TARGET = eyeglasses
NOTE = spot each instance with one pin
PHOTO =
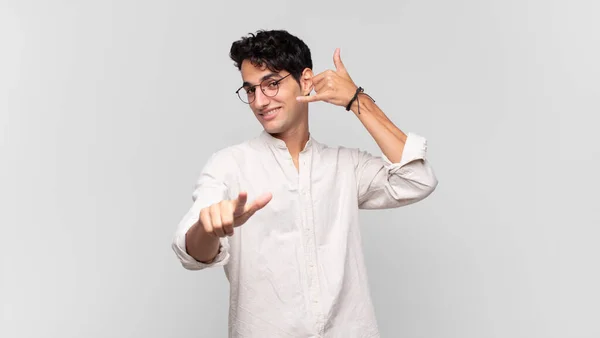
(269, 87)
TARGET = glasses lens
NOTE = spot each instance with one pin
(270, 87)
(244, 96)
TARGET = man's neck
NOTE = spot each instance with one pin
(295, 139)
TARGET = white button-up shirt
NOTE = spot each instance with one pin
(296, 267)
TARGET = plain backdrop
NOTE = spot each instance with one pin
(109, 110)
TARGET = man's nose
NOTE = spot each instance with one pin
(260, 98)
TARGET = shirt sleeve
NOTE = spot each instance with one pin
(210, 188)
(382, 184)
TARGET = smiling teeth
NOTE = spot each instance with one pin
(271, 112)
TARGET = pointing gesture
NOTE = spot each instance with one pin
(220, 218)
(333, 86)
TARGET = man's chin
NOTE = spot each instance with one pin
(272, 128)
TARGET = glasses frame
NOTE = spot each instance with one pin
(277, 82)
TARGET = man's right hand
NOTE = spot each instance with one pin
(220, 218)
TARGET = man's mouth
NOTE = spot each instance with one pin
(270, 112)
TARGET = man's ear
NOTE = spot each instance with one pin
(306, 83)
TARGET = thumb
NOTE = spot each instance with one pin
(337, 61)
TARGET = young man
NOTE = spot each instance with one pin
(280, 212)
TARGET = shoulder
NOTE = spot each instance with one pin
(340, 151)
(340, 154)
(222, 168)
(229, 158)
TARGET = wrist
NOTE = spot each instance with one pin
(354, 98)
(363, 103)
(355, 101)
(201, 245)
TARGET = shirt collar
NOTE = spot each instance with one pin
(273, 141)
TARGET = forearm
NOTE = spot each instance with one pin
(388, 137)
(201, 245)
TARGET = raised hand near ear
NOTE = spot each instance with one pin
(333, 86)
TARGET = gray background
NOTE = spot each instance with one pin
(109, 109)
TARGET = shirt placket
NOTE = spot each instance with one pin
(309, 237)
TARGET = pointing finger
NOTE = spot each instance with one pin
(262, 200)
(253, 207)
(259, 203)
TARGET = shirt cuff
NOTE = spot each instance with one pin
(415, 148)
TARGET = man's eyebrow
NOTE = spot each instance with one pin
(270, 75)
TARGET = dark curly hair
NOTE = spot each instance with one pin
(277, 49)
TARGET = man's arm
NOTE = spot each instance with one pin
(196, 250)
(404, 176)
(201, 239)
(389, 138)
(338, 88)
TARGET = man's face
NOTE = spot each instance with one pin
(277, 110)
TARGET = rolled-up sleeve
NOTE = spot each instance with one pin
(210, 188)
(382, 184)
